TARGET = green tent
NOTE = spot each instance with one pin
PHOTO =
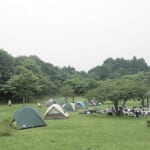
(69, 106)
(28, 117)
(61, 101)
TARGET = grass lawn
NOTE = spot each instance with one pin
(79, 132)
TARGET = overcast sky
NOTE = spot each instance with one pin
(79, 33)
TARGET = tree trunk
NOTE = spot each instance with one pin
(142, 102)
(148, 102)
(116, 108)
(124, 102)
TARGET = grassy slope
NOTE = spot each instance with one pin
(79, 132)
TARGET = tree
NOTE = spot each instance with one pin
(7, 66)
(141, 90)
(98, 94)
(148, 98)
(118, 91)
(23, 86)
(67, 91)
(116, 68)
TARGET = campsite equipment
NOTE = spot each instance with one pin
(55, 111)
(91, 103)
(50, 102)
(79, 105)
(69, 106)
(27, 117)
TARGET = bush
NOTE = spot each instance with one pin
(6, 128)
(148, 123)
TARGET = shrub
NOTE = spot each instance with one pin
(148, 123)
(6, 128)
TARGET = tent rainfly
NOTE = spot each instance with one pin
(69, 106)
(79, 105)
(28, 117)
(91, 103)
(55, 111)
(50, 102)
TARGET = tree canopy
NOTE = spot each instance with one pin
(116, 79)
(114, 68)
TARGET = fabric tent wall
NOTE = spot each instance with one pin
(79, 105)
(28, 117)
(91, 103)
(55, 111)
(69, 106)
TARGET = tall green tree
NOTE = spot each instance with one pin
(114, 68)
(7, 66)
(67, 91)
(23, 86)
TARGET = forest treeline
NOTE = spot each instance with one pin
(30, 77)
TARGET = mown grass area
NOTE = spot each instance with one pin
(78, 132)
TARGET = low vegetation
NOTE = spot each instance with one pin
(148, 123)
(6, 127)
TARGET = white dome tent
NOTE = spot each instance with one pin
(55, 111)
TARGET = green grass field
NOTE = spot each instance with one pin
(79, 132)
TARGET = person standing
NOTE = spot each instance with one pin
(9, 103)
